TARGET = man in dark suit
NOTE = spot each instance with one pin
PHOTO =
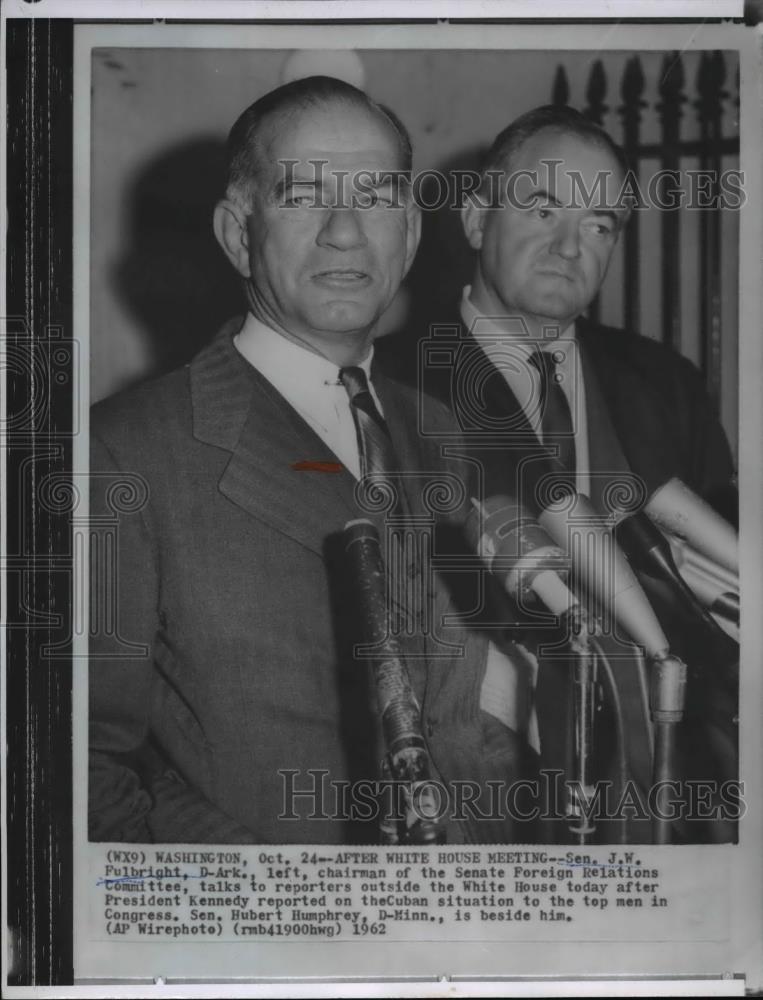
(227, 700)
(524, 371)
(543, 253)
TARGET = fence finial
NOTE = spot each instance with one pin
(711, 76)
(632, 87)
(595, 93)
(630, 111)
(671, 88)
(560, 91)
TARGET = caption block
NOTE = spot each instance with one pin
(289, 893)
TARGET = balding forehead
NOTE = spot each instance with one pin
(269, 130)
(570, 148)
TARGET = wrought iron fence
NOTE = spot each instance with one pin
(707, 100)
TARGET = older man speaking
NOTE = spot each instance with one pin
(227, 704)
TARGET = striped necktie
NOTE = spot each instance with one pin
(379, 462)
(405, 586)
(377, 454)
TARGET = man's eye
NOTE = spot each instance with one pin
(601, 228)
(543, 211)
(295, 200)
(381, 198)
(374, 199)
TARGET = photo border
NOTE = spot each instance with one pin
(38, 269)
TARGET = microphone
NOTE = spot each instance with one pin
(649, 551)
(603, 569)
(677, 509)
(407, 755)
(528, 563)
(726, 605)
(714, 588)
(605, 573)
(524, 558)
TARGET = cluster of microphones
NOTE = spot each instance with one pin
(531, 556)
(531, 553)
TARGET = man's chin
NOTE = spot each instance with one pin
(556, 311)
(344, 318)
(328, 331)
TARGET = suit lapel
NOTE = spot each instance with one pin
(481, 387)
(236, 408)
(607, 462)
(606, 459)
(401, 416)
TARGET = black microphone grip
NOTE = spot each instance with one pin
(399, 710)
(649, 550)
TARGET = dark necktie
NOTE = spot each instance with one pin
(555, 418)
(377, 455)
(378, 461)
(404, 585)
(553, 696)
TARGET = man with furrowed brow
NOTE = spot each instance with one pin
(230, 577)
(532, 373)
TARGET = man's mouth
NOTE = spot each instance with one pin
(554, 273)
(341, 277)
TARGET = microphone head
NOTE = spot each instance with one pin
(512, 544)
(645, 545)
(601, 573)
(360, 529)
(677, 509)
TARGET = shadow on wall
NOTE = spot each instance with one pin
(443, 265)
(177, 285)
(173, 277)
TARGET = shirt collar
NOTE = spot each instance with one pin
(484, 329)
(286, 364)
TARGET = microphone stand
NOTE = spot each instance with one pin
(583, 680)
(649, 551)
(529, 563)
(667, 697)
(407, 761)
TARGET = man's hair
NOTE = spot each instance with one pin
(559, 117)
(244, 146)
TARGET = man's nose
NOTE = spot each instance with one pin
(342, 229)
(566, 241)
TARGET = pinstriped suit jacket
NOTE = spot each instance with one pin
(228, 580)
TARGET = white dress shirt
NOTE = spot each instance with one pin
(510, 670)
(510, 352)
(310, 383)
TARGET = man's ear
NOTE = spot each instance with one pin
(413, 234)
(230, 226)
(473, 220)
